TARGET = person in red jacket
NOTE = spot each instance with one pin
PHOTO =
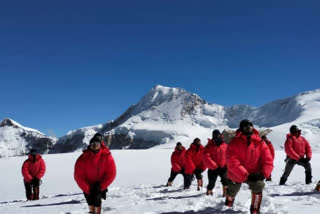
(249, 161)
(194, 164)
(94, 171)
(215, 160)
(33, 170)
(177, 163)
(299, 152)
(270, 146)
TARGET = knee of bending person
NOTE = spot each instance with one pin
(258, 187)
(233, 188)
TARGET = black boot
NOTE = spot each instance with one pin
(282, 181)
(308, 178)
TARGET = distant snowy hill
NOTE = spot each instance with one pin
(75, 140)
(167, 115)
(16, 139)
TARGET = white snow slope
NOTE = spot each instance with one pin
(139, 188)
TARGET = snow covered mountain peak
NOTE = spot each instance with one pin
(16, 139)
(160, 94)
(7, 122)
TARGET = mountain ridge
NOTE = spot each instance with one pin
(166, 115)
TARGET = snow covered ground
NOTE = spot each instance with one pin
(139, 188)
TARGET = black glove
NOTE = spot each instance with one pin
(304, 160)
(292, 161)
(35, 182)
(253, 177)
(104, 194)
(95, 189)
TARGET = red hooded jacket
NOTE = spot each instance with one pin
(91, 168)
(244, 159)
(270, 146)
(215, 156)
(178, 160)
(33, 168)
(193, 159)
(297, 147)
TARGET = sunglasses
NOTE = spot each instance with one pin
(95, 142)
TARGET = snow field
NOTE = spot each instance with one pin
(139, 188)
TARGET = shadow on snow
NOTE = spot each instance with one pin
(207, 210)
(316, 194)
(178, 197)
(55, 204)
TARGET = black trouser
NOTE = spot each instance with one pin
(173, 175)
(32, 190)
(188, 177)
(213, 175)
(94, 199)
(291, 163)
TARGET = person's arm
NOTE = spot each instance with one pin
(42, 169)
(174, 163)
(234, 165)
(25, 172)
(79, 175)
(110, 173)
(189, 165)
(266, 160)
(308, 149)
(208, 161)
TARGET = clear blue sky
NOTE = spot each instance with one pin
(70, 64)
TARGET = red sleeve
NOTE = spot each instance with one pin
(270, 146)
(234, 165)
(79, 176)
(190, 167)
(266, 160)
(289, 150)
(174, 163)
(110, 172)
(42, 169)
(25, 171)
(208, 162)
(308, 149)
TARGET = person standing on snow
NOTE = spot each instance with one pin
(194, 164)
(94, 171)
(249, 161)
(270, 146)
(177, 163)
(299, 152)
(215, 160)
(33, 170)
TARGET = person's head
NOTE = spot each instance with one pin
(216, 134)
(95, 144)
(246, 127)
(99, 136)
(294, 130)
(33, 152)
(179, 146)
(197, 141)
